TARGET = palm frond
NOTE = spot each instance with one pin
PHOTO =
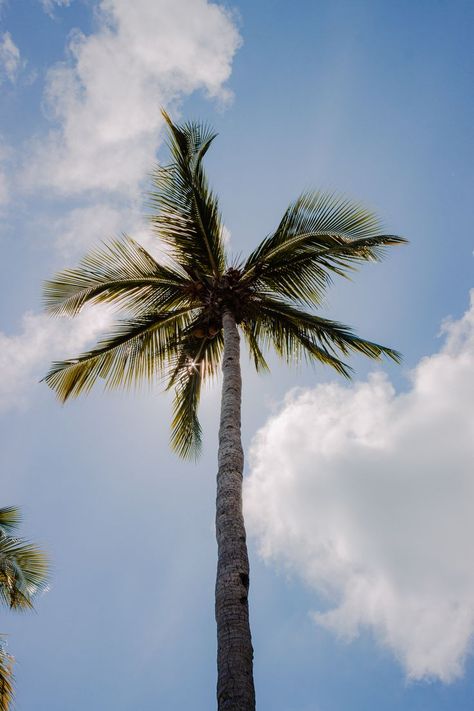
(6, 678)
(10, 518)
(198, 361)
(319, 235)
(249, 331)
(331, 334)
(23, 572)
(120, 272)
(185, 426)
(295, 334)
(186, 213)
(294, 344)
(138, 349)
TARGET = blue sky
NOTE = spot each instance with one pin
(358, 497)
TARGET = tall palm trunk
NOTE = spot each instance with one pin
(235, 688)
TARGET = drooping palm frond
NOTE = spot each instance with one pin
(319, 235)
(185, 426)
(330, 333)
(23, 572)
(294, 344)
(6, 678)
(198, 362)
(121, 272)
(187, 215)
(138, 349)
(295, 334)
(249, 329)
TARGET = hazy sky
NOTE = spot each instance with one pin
(359, 496)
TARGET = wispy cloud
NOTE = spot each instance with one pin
(367, 494)
(25, 356)
(10, 59)
(85, 226)
(50, 5)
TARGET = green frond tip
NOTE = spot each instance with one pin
(190, 140)
(185, 211)
(10, 518)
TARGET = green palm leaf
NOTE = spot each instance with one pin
(198, 361)
(185, 427)
(137, 350)
(23, 572)
(319, 235)
(10, 519)
(294, 344)
(295, 334)
(121, 272)
(187, 215)
(249, 329)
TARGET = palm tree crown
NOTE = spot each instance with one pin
(23, 574)
(174, 309)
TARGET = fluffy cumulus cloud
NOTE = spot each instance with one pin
(26, 356)
(10, 59)
(368, 494)
(105, 99)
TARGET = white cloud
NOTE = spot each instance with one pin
(106, 98)
(10, 60)
(25, 357)
(86, 226)
(368, 495)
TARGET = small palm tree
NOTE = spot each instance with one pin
(23, 574)
(182, 322)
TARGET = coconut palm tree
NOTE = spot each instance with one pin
(182, 319)
(23, 574)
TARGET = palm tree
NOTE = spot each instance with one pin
(181, 322)
(23, 574)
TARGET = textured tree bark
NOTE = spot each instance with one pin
(235, 688)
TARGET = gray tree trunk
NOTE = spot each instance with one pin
(235, 688)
